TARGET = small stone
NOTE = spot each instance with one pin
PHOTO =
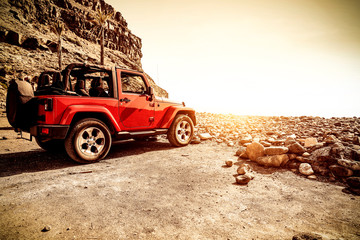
(196, 140)
(340, 171)
(289, 141)
(230, 144)
(296, 148)
(241, 152)
(265, 144)
(355, 153)
(46, 228)
(273, 161)
(353, 182)
(312, 177)
(244, 168)
(306, 169)
(332, 179)
(307, 236)
(322, 154)
(292, 156)
(228, 163)
(246, 139)
(242, 179)
(330, 139)
(353, 165)
(275, 150)
(310, 142)
(306, 154)
(301, 159)
(205, 136)
(255, 150)
(278, 142)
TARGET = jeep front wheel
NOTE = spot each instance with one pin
(88, 141)
(181, 131)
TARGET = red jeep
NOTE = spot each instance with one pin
(86, 107)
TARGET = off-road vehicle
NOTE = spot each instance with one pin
(85, 107)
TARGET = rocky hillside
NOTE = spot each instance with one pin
(28, 46)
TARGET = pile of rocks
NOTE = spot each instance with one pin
(312, 146)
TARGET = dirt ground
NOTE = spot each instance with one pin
(150, 190)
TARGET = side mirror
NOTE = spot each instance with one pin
(151, 93)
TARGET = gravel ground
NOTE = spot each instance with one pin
(150, 190)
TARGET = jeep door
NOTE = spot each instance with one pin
(136, 108)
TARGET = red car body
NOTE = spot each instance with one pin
(126, 114)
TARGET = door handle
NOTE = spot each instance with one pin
(125, 100)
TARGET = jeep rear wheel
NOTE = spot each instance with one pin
(181, 131)
(89, 141)
(54, 145)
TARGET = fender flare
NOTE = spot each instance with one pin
(172, 112)
(70, 112)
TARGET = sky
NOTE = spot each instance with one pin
(252, 57)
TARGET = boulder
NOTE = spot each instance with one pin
(273, 161)
(255, 150)
(275, 150)
(306, 169)
(351, 164)
(340, 171)
(296, 148)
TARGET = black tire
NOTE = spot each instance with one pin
(181, 131)
(55, 145)
(89, 141)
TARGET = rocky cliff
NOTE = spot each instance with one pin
(28, 46)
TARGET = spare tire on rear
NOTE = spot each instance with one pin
(20, 104)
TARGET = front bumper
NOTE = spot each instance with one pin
(50, 131)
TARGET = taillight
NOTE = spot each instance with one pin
(48, 103)
(44, 131)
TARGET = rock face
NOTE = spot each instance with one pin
(28, 46)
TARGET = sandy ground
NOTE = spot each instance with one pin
(150, 190)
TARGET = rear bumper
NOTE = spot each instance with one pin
(50, 131)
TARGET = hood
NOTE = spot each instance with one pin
(167, 100)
